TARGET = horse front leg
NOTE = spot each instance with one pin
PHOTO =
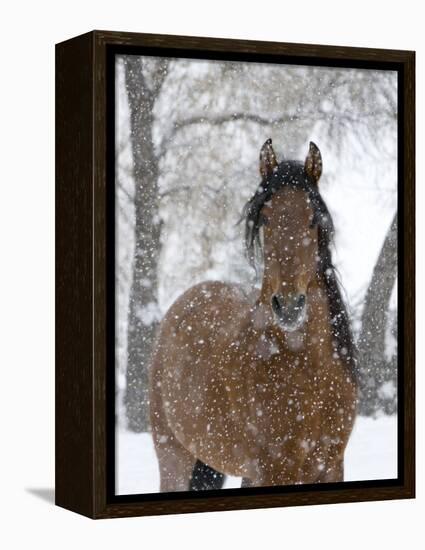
(175, 464)
(332, 472)
(272, 472)
(246, 482)
(330, 465)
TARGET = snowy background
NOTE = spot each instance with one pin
(199, 126)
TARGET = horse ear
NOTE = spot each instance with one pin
(268, 160)
(313, 163)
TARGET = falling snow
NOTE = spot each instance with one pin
(208, 122)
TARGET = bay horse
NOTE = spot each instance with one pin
(260, 387)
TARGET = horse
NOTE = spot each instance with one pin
(260, 385)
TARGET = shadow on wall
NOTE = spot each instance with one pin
(46, 494)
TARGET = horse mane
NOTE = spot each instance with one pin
(292, 174)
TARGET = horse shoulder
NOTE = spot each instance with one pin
(208, 308)
(196, 331)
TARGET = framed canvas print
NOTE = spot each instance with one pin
(235, 274)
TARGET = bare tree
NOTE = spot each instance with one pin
(375, 369)
(143, 83)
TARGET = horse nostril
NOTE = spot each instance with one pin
(301, 300)
(276, 303)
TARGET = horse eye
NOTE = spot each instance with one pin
(263, 220)
(314, 221)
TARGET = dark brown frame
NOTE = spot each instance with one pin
(83, 257)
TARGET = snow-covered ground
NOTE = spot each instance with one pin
(371, 454)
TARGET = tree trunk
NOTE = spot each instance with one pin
(143, 304)
(374, 367)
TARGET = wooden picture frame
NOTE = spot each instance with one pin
(85, 389)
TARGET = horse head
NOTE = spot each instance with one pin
(292, 215)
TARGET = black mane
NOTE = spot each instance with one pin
(292, 174)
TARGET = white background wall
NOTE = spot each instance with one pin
(28, 33)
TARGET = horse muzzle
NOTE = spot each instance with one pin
(290, 311)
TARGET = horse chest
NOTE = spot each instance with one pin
(292, 394)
